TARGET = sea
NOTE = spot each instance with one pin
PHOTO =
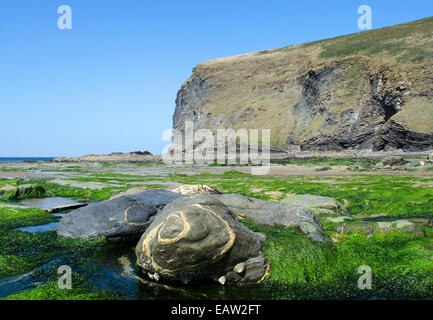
(21, 159)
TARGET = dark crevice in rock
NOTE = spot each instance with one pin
(389, 111)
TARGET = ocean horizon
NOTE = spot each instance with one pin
(22, 159)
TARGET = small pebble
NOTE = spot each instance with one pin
(222, 280)
(239, 268)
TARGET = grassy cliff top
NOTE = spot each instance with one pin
(407, 42)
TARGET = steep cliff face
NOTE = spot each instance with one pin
(371, 90)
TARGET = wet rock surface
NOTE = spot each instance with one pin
(200, 238)
(52, 204)
(121, 219)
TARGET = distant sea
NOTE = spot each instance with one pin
(21, 159)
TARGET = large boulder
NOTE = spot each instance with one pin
(199, 238)
(275, 214)
(318, 204)
(195, 189)
(121, 219)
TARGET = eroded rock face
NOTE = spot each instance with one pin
(199, 238)
(318, 204)
(120, 219)
(275, 214)
(195, 189)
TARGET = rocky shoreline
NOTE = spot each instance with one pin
(136, 156)
(320, 216)
(277, 153)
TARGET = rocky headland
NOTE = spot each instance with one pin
(135, 156)
(367, 91)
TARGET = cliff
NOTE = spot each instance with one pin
(370, 90)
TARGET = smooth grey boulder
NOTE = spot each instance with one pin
(275, 214)
(200, 238)
(318, 204)
(121, 219)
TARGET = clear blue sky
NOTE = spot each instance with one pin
(110, 83)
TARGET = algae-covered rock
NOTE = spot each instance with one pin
(318, 204)
(200, 238)
(370, 227)
(24, 191)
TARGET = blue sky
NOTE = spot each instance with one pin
(110, 83)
